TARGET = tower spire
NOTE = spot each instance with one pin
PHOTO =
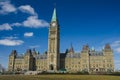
(71, 49)
(54, 17)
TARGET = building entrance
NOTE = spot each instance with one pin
(51, 67)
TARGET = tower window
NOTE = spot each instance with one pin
(52, 32)
(52, 58)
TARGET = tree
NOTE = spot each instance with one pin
(0, 68)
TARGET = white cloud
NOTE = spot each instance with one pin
(115, 44)
(34, 46)
(6, 7)
(10, 37)
(34, 22)
(31, 21)
(28, 34)
(10, 42)
(27, 9)
(16, 24)
(117, 50)
(5, 26)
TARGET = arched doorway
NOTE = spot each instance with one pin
(96, 70)
(51, 67)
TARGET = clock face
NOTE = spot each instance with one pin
(54, 24)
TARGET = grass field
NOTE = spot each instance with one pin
(59, 77)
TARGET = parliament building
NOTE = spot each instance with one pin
(87, 59)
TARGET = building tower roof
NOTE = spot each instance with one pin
(71, 49)
(54, 17)
(107, 46)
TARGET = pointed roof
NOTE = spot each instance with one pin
(71, 49)
(34, 51)
(107, 46)
(85, 47)
(14, 52)
(28, 52)
(54, 17)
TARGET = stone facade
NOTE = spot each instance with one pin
(21, 62)
(52, 60)
(90, 60)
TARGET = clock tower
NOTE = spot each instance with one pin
(54, 44)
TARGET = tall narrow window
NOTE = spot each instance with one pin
(52, 58)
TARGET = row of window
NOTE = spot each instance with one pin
(41, 63)
(41, 67)
(93, 60)
(71, 69)
(97, 65)
(75, 66)
(94, 65)
(18, 67)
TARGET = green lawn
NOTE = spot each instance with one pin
(59, 77)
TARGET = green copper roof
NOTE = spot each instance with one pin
(54, 17)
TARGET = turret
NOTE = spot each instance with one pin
(108, 53)
(34, 53)
(12, 57)
(28, 52)
(85, 57)
(85, 49)
(107, 50)
(28, 59)
(71, 50)
(13, 53)
(107, 47)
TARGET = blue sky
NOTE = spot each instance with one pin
(24, 24)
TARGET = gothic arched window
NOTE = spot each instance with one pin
(52, 58)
